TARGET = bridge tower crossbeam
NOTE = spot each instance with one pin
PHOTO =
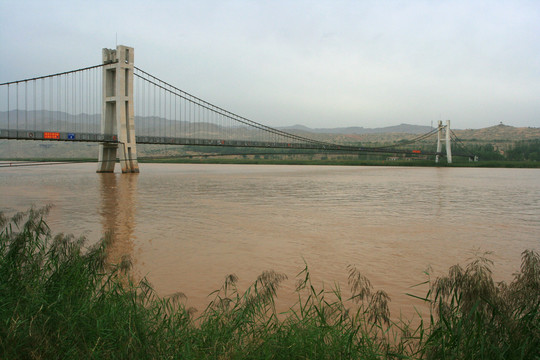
(117, 118)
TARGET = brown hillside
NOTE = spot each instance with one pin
(494, 133)
(500, 132)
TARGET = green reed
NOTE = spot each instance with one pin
(479, 319)
(60, 299)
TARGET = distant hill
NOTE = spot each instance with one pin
(403, 131)
(359, 130)
(500, 132)
(145, 125)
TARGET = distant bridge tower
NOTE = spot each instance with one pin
(446, 130)
(117, 116)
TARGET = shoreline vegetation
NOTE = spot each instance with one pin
(344, 162)
(61, 299)
(255, 160)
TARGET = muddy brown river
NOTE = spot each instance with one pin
(187, 226)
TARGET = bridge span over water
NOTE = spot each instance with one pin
(118, 105)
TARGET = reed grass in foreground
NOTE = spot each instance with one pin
(59, 299)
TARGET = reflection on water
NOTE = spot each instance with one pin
(118, 207)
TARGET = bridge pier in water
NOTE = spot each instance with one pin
(117, 117)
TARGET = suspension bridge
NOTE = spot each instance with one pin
(118, 105)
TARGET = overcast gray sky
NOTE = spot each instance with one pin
(316, 63)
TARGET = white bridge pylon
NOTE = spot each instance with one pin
(446, 138)
(118, 111)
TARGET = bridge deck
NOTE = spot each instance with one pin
(161, 140)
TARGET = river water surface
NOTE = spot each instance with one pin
(187, 226)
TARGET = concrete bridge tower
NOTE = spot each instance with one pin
(117, 118)
(446, 130)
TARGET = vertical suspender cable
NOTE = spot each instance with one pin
(142, 92)
(170, 117)
(147, 98)
(203, 122)
(159, 112)
(26, 105)
(91, 96)
(76, 94)
(154, 111)
(164, 112)
(73, 99)
(42, 110)
(84, 87)
(86, 102)
(175, 116)
(143, 99)
(58, 102)
(34, 107)
(161, 116)
(77, 102)
(136, 105)
(17, 108)
(8, 124)
(169, 113)
(51, 92)
(97, 99)
(182, 118)
(79, 117)
(66, 102)
(93, 93)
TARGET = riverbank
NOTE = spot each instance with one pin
(60, 299)
(412, 163)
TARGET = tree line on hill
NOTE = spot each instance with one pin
(524, 150)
